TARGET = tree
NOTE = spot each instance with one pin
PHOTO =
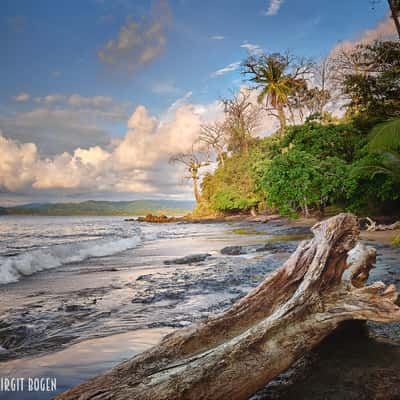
(214, 136)
(242, 117)
(193, 161)
(370, 79)
(289, 181)
(297, 180)
(385, 141)
(394, 6)
(277, 76)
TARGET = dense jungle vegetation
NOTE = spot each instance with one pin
(336, 144)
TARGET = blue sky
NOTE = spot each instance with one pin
(115, 55)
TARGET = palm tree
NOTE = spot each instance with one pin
(385, 140)
(270, 74)
(385, 136)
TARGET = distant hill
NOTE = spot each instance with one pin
(92, 207)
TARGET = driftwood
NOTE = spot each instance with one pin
(372, 226)
(232, 355)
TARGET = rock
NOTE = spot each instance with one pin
(158, 219)
(271, 247)
(193, 258)
(233, 250)
(72, 307)
(264, 218)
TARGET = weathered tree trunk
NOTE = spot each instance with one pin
(232, 355)
(196, 191)
(282, 119)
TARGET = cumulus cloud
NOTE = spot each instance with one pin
(274, 6)
(63, 122)
(136, 163)
(138, 42)
(22, 97)
(17, 163)
(385, 30)
(229, 68)
(55, 130)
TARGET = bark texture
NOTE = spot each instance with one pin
(232, 355)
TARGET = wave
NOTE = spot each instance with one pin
(14, 267)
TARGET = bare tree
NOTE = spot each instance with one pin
(323, 79)
(214, 137)
(193, 161)
(242, 116)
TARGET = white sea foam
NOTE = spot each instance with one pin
(13, 268)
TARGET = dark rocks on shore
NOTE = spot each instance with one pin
(273, 247)
(193, 258)
(159, 219)
(233, 250)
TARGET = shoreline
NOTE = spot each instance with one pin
(384, 237)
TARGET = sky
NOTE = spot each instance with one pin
(97, 95)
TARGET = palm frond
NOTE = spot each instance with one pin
(385, 136)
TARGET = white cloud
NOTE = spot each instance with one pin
(62, 122)
(217, 37)
(22, 97)
(138, 162)
(251, 48)
(56, 130)
(229, 68)
(274, 6)
(138, 42)
(16, 163)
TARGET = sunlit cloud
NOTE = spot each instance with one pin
(138, 162)
(22, 97)
(385, 30)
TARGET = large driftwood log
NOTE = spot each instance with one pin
(232, 355)
(372, 226)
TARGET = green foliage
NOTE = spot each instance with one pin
(396, 241)
(333, 140)
(385, 136)
(297, 179)
(231, 187)
(348, 164)
(373, 85)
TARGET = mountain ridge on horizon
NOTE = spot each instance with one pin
(102, 207)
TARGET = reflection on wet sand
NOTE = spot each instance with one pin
(81, 361)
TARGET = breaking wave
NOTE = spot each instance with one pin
(14, 267)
